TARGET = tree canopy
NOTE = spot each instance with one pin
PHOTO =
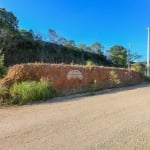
(21, 46)
(7, 19)
(119, 56)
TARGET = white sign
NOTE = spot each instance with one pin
(74, 74)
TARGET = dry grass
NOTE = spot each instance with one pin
(57, 74)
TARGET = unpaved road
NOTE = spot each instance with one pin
(119, 120)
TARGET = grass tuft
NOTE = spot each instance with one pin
(29, 91)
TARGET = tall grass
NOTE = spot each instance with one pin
(29, 91)
(146, 78)
(4, 94)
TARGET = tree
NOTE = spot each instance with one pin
(134, 56)
(57, 39)
(70, 43)
(85, 48)
(94, 48)
(22, 46)
(27, 34)
(139, 67)
(8, 20)
(88, 49)
(54, 38)
(119, 56)
(8, 28)
(97, 48)
(82, 47)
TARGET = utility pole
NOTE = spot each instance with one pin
(128, 56)
(148, 52)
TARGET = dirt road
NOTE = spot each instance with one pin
(119, 120)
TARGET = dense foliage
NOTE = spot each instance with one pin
(21, 46)
(139, 67)
(26, 92)
(119, 56)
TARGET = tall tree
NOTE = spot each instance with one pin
(119, 56)
(7, 19)
(139, 67)
(8, 27)
(54, 38)
(97, 48)
(57, 39)
(71, 43)
(134, 57)
(82, 47)
(85, 48)
(27, 34)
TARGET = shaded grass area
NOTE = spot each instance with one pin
(26, 92)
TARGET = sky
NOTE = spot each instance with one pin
(110, 22)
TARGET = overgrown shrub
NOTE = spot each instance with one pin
(146, 78)
(139, 67)
(4, 94)
(94, 86)
(113, 78)
(3, 69)
(89, 63)
(29, 91)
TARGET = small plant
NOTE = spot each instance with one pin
(129, 78)
(3, 69)
(29, 91)
(146, 78)
(4, 94)
(89, 63)
(94, 87)
(113, 78)
(139, 67)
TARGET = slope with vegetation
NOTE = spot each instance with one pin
(24, 83)
(21, 46)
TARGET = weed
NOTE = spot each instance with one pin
(113, 78)
(89, 63)
(29, 91)
(4, 94)
(146, 78)
(94, 87)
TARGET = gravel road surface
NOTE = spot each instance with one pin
(117, 120)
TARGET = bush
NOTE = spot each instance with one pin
(89, 63)
(114, 80)
(139, 67)
(4, 94)
(146, 78)
(29, 91)
(3, 69)
(94, 86)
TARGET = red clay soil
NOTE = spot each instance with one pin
(58, 74)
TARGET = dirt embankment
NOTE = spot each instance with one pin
(66, 77)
